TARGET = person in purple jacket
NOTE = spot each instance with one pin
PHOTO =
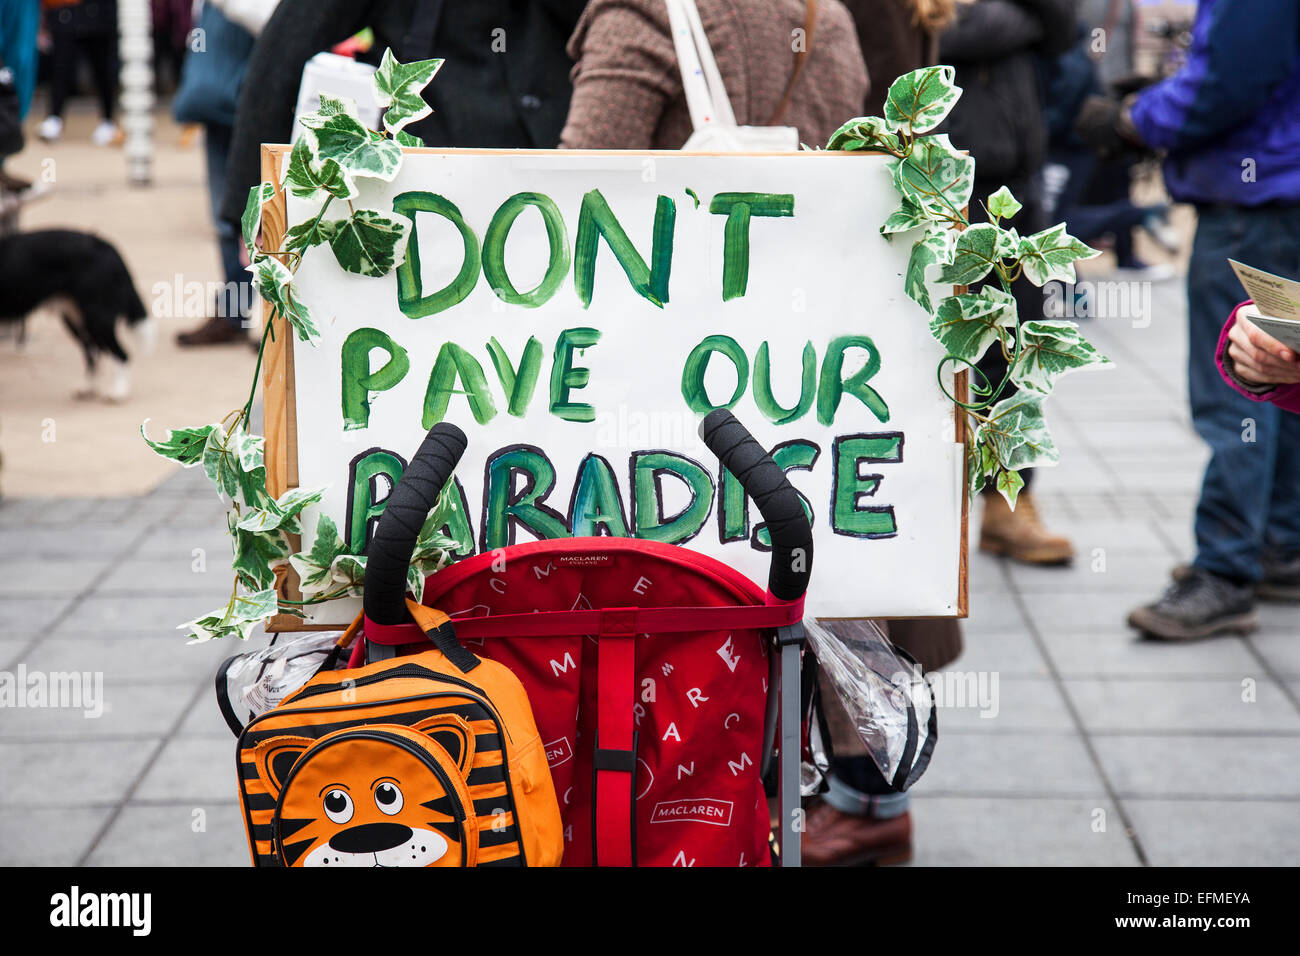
(1258, 365)
(1229, 122)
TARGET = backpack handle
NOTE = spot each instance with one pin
(389, 553)
(437, 625)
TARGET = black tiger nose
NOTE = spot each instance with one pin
(370, 838)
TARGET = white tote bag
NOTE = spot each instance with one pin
(706, 97)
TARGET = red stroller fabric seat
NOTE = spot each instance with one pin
(694, 700)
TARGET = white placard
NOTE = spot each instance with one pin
(614, 388)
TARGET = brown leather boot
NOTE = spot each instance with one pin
(833, 838)
(1020, 534)
(215, 331)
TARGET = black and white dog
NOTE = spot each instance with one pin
(84, 280)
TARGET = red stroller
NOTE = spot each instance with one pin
(658, 676)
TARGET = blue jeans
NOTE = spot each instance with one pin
(1250, 496)
(216, 139)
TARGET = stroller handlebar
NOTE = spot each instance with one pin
(389, 551)
(780, 505)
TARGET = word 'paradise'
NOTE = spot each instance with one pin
(518, 481)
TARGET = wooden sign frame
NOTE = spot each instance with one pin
(279, 405)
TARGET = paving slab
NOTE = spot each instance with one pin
(165, 659)
(1217, 832)
(128, 711)
(958, 831)
(179, 834)
(1201, 766)
(1041, 765)
(66, 773)
(1206, 705)
(197, 770)
(1124, 653)
(48, 836)
(1014, 704)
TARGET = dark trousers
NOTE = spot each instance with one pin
(100, 50)
(1250, 496)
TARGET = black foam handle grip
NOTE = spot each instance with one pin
(389, 553)
(780, 505)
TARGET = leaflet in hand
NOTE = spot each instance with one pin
(1277, 303)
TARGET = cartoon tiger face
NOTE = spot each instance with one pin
(376, 795)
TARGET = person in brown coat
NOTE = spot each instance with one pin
(627, 87)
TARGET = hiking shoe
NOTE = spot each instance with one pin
(215, 331)
(1281, 580)
(1199, 604)
(1020, 534)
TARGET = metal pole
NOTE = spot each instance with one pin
(135, 25)
(791, 754)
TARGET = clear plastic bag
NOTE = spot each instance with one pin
(257, 681)
(884, 693)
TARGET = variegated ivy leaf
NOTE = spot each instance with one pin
(348, 571)
(313, 232)
(1008, 485)
(935, 177)
(1051, 254)
(398, 86)
(182, 445)
(251, 221)
(981, 462)
(1018, 433)
(1003, 205)
(272, 279)
(314, 567)
(865, 132)
(919, 101)
(975, 256)
(433, 549)
(257, 554)
(232, 460)
(966, 325)
(936, 247)
(408, 139)
(282, 513)
(237, 619)
(309, 177)
(370, 244)
(1049, 350)
(358, 151)
(907, 216)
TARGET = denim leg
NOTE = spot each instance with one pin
(1282, 531)
(231, 307)
(1244, 436)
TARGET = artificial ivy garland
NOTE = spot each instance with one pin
(934, 182)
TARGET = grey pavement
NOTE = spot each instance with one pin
(1104, 750)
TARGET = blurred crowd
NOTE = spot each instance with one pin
(1056, 106)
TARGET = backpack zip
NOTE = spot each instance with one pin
(405, 670)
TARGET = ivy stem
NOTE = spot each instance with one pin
(247, 412)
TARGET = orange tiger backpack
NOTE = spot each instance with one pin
(430, 759)
(424, 759)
